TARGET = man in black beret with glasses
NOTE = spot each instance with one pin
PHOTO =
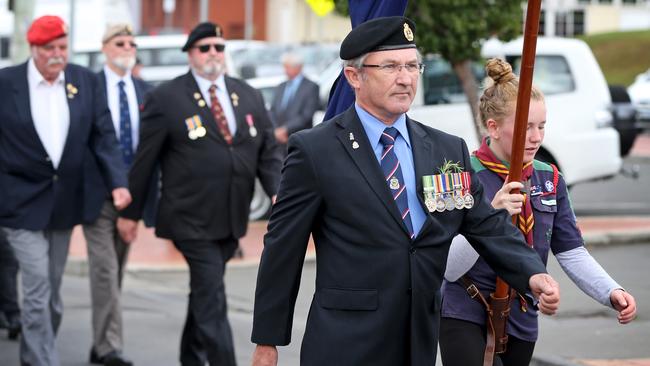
(213, 137)
(358, 185)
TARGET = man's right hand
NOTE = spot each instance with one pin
(265, 356)
(128, 229)
(547, 291)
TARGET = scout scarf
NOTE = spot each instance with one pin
(525, 219)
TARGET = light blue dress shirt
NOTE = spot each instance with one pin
(374, 128)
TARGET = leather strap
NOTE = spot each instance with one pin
(490, 338)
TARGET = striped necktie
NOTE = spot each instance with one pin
(126, 140)
(393, 175)
(219, 115)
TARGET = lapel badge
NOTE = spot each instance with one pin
(71, 90)
(235, 99)
(355, 145)
(201, 103)
(197, 95)
(351, 137)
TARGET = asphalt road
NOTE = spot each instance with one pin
(620, 195)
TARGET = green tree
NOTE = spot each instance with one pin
(455, 29)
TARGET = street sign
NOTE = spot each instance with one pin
(321, 7)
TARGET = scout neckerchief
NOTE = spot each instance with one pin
(525, 219)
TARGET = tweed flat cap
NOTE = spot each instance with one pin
(379, 34)
(203, 30)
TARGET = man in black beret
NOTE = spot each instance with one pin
(212, 137)
(356, 183)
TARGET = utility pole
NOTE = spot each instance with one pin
(23, 14)
(248, 19)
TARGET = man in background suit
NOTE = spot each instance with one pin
(294, 102)
(212, 136)
(53, 118)
(107, 252)
(355, 183)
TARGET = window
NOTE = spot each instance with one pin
(542, 23)
(4, 47)
(578, 22)
(440, 83)
(604, 1)
(552, 74)
(629, 2)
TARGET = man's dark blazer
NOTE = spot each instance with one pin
(207, 185)
(299, 111)
(33, 194)
(377, 297)
(96, 192)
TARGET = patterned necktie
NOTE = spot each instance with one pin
(126, 141)
(219, 116)
(393, 175)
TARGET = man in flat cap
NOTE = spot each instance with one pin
(355, 183)
(213, 137)
(107, 252)
(53, 120)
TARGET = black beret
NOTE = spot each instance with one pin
(379, 34)
(203, 30)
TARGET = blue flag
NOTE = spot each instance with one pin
(341, 95)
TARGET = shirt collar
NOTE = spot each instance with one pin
(296, 80)
(113, 78)
(205, 84)
(35, 76)
(374, 127)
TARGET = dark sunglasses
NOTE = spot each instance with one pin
(204, 48)
(121, 44)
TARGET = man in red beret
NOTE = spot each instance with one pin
(55, 127)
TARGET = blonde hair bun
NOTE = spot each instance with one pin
(499, 70)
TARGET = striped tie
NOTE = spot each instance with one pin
(393, 175)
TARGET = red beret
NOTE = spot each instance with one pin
(46, 29)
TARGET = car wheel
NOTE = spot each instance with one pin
(260, 208)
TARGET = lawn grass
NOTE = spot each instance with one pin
(621, 55)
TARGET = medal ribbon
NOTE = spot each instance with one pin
(525, 219)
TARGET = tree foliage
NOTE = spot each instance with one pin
(455, 28)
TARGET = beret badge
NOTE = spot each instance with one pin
(408, 33)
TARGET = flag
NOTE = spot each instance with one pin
(341, 95)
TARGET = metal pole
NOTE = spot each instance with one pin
(71, 27)
(248, 19)
(203, 11)
(23, 14)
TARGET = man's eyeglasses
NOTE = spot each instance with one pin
(205, 48)
(411, 68)
(122, 44)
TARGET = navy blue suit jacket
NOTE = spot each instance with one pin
(95, 189)
(33, 194)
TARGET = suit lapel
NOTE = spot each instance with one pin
(73, 106)
(239, 112)
(21, 97)
(423, 157)
(365, 160)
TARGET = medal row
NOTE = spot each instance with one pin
(448, 191)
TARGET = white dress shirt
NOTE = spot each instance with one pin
(113, 94)
(49, 107)
(222, 96)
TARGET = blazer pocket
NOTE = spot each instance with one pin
(347, 299)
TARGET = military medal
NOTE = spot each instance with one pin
(251, 127)
(467, 184)
(394, 183)
(438, 189)
(429, 202)
(195, 127)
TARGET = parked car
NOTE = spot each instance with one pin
(640, 94)
(625, 118)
